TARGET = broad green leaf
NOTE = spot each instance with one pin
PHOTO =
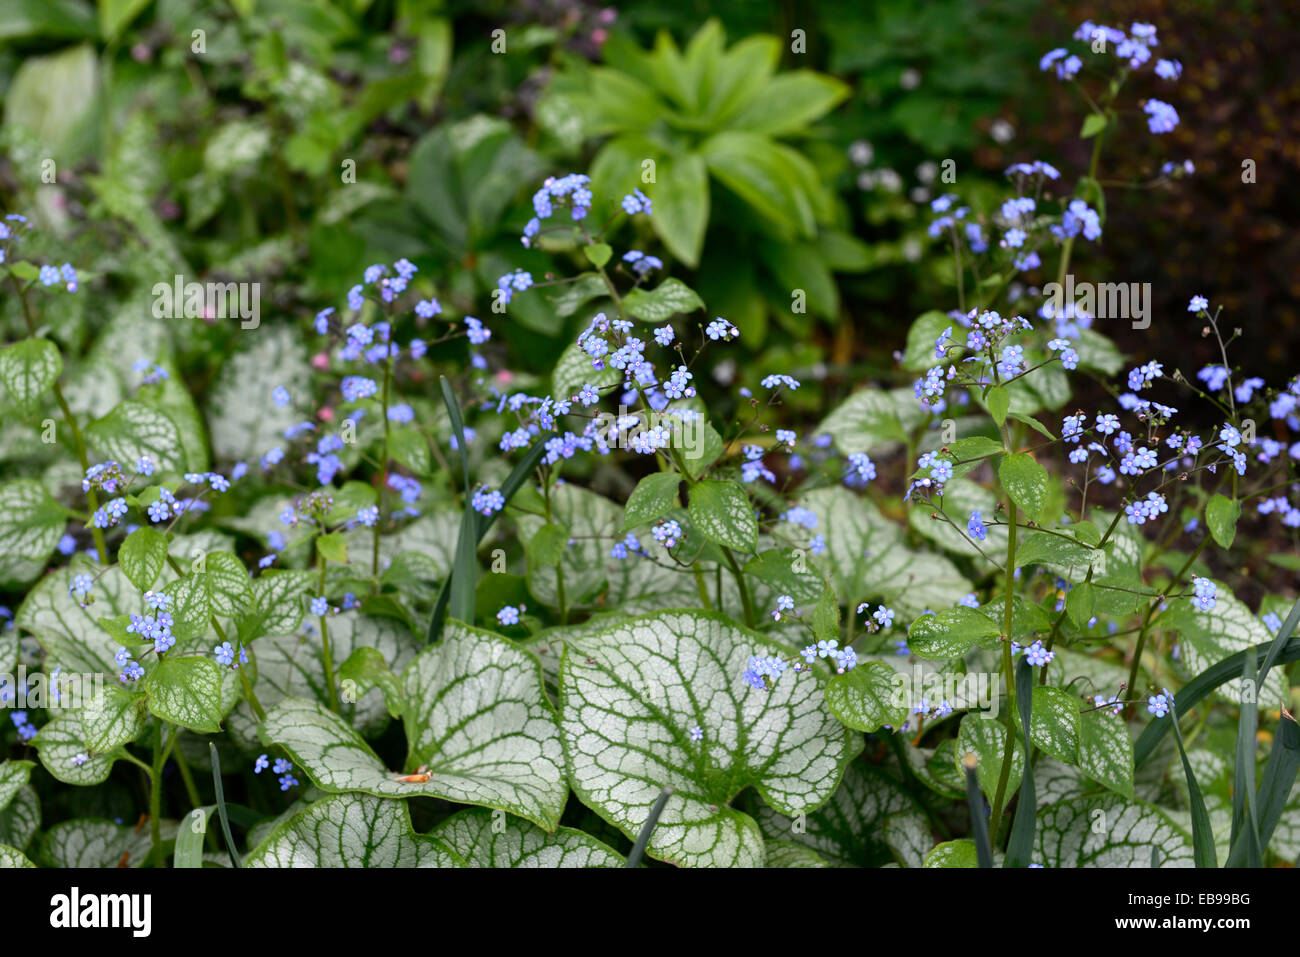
(187, 691)
(1054, 723)
(351, 830)
(1221, 517)
(1093, 124)
(243, 420)
(1026, 482)
(133, 429)
(1208, 636)
(218, 584)
(547, 545)
(70, 635)
(959, 853)
(864, 699)
(921, 336)
(1108, 831)
(873, 421)
(671, 297)
(476, 836)
(630, 694)
(13, 778)
(573, 371)
(11, 857)
(1079, 603)
(28, 368)
(31, 524)
(92, 843)
(867, 555)
(333, 548)
(477, 716)
(277, 606)
(681, 204)
(1106, 751)
(51, 98)
(788, 571)
(986, 739)
(598, 253)
(366, 669)
(852, 828)
(950, 633)
(788, 854)
(142, 556)
(722, 512)
(703, 447)
(112, 717)
(59, 741)
(791, 101)
(653, 496)
(20, 821)
(998, 401)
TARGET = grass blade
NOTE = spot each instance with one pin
(189, 838)
(1275, 786)
(1245, 826)
(1020, 845)
(220, 792)
(979, 822)
(648, 828)
(512, 484)
(1203, 854)
(464, 575)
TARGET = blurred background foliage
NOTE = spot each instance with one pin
(794, 146)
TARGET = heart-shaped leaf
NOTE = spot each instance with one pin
(632, 694)
(1108, 832)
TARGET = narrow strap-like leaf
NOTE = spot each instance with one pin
(1283, 634)
(221, 804)
(648, 828)
(1245, 826)
(1020, 846)
(1203, 853)
(979, 822)
(1275, 786)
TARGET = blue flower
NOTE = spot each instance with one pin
(1161, 117)
(320, 606)
(975, 525)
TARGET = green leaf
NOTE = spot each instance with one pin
(476, 836)
(1055, 722)
(277, 606)
(11, 857)
(89, 843)
(1021, 841)
(217, 584)
(998, 401)
(14, 776)
(1106, 751)
(1079, 603)
(979, 734)
(627, 737)
(864, 699)
(133, 429)
(721, 511)
(573, 371)
(959, 853)
(59, 741)
(186, 691)
(856, 827)
(333, 548)
(21, 820)
(868, 555)
(113, 717)
(653, 496)
(1093, 124)
(1027, 483)
(681, 204)
(52, 100)
(921, 337)
(1108, 831)
(142, 556)
(873, 421)
(351, 830)
(789, 102)
(762, 176)
(1221, 516)
(973, 448)
(241, 417)
(788, 571)
(31, 524)
(475, 715)
(950, 633)
(671, 297)
(703, 448)
(28, 368)
(598, 253)
(367, 668)
(826, 617)
(116, 15)
(547, 545)
(1034, 424)
(189, 838)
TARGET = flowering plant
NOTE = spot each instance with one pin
(732, 642)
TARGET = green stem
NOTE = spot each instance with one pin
(383, 477)
(327, 657)
(1007, 668)
(155, 791)
(737, 574)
